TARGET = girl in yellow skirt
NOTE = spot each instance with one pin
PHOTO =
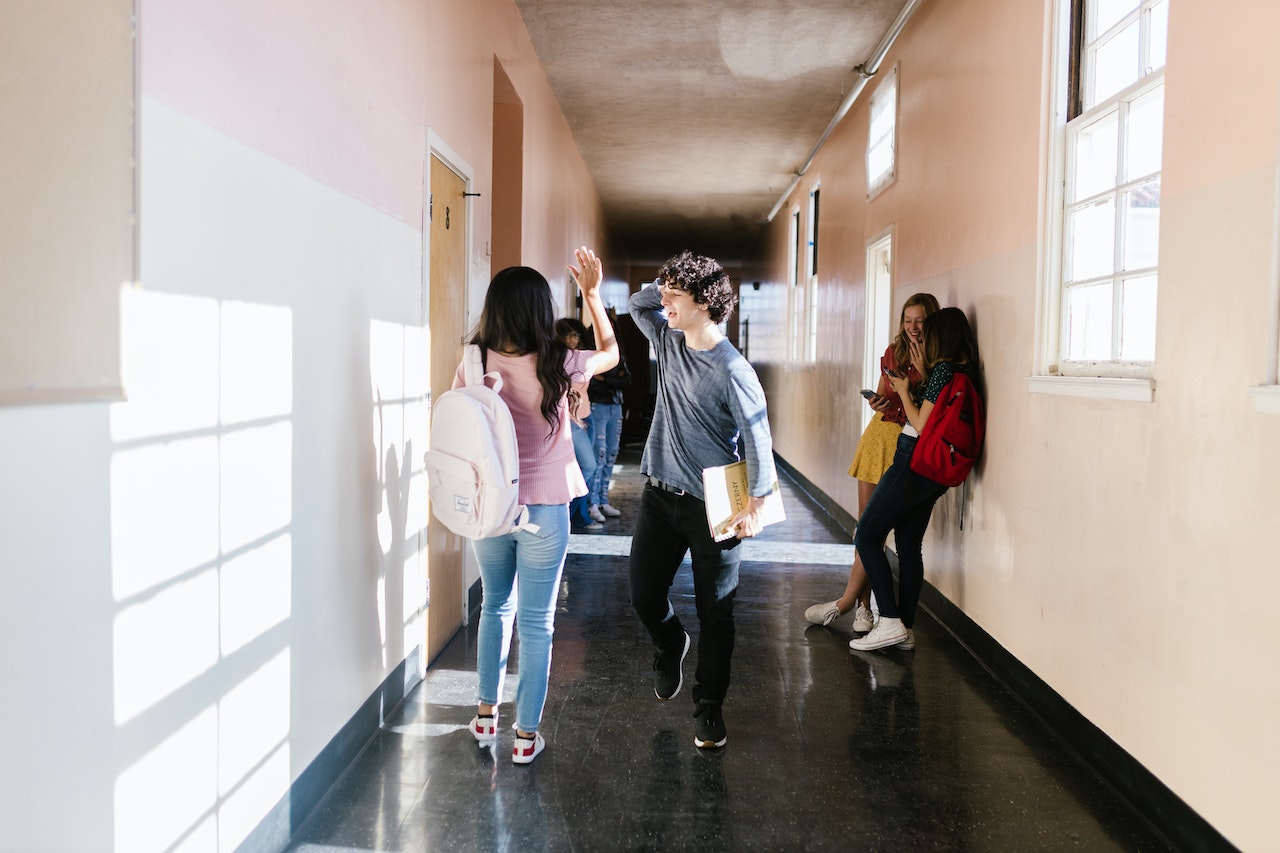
(875, 450)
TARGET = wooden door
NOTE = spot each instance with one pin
(447, 302)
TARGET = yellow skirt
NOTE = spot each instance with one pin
(875, 450)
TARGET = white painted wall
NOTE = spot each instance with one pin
(201, 585)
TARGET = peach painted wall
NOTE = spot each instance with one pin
(1108, 545)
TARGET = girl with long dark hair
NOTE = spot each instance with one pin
(520, 572)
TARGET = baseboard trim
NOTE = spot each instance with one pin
(1167, 813)
(275, 831)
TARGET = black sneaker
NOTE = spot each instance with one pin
(668, 671)
(710, 733)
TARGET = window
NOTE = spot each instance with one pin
(795, 293)
(1106, 273)
(811, 280)
(882, 136)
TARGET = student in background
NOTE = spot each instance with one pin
(520, 572)
(576, 336)
(875, 450)
(903, 500)
(605, 391)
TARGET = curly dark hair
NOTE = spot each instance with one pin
(518, 316)
(704, 279)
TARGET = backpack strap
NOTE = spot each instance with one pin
(473, 368)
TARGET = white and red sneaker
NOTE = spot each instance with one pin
(484, 728)
(527, 748)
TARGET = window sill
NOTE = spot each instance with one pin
(1266, 398)
(1134, 390)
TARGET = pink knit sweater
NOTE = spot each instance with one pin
(549, 472)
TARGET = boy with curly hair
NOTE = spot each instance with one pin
(709, 400)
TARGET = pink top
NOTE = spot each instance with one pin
(549, 472)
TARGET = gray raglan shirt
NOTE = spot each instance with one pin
(706, 400)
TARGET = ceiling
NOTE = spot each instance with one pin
(694, 115)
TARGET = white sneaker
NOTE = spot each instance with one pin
(822, 614)
(910, 642)
(595, 514)
(862, 620)
(889, 631)
(485, 729)
(610, 512)
(527, 748)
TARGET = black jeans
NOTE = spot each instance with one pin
(902, 502)
(667, 527)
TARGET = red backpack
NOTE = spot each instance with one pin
(952, 438)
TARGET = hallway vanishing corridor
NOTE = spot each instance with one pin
(828, 749)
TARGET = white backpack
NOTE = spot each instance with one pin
(473, 466)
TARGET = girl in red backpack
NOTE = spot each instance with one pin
(520, 572)
(875, 450)
(903, 500)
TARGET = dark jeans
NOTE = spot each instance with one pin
(667, 527)
(902, 502)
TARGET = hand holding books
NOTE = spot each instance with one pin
(731, 509)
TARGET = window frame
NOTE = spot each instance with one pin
(810, 343)
(1072, 70)
(795, 305)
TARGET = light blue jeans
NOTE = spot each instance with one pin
(520, 575)
(607, 418)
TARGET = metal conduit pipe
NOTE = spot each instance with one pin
(866, 71)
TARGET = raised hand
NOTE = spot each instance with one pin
(589, 272)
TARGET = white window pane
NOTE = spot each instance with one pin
(1115, 64)
(1107, 13)
(1093, 236)
(1159, 34)
(1145, 128)
(882, 119)
(1089, 322)
(1095, 152)
(1138, 319)
(1142, 225)
(879, 161)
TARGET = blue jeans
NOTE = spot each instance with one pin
(902, 502)
(520, 575)
(584, 450)
(669, 525)
(607, 420)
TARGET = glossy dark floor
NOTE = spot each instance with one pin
(828, 749)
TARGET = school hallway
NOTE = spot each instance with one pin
(828, 749)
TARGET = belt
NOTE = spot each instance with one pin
(658, 484)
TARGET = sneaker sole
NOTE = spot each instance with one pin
(706, 744)
(687, 643)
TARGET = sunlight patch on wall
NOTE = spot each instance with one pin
(164, 642)
(166, 795)
(399, 375)
(202, 562)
